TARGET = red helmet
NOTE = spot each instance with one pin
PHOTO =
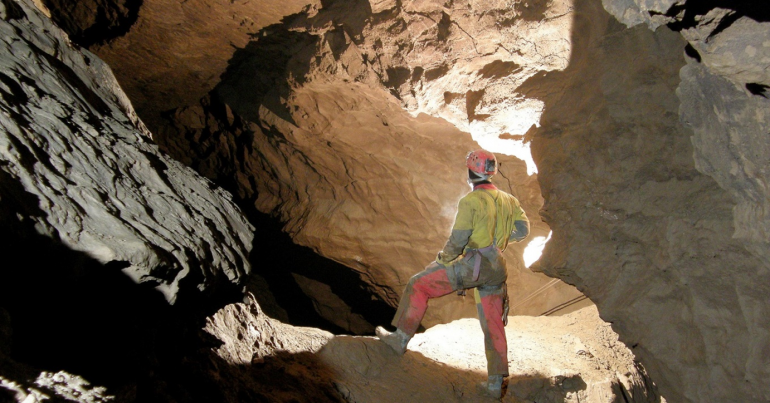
(481, 162)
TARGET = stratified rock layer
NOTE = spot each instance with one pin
(76, 163)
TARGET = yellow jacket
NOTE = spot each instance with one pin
(484, 215)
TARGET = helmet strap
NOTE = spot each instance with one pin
(475, 179)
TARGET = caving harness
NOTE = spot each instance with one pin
(477, 254)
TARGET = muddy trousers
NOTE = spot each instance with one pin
(433, 282)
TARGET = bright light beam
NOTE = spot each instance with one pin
(534, 249)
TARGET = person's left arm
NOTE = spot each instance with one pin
(461, 233)
(520, 225)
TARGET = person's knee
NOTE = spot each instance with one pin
(413, 280)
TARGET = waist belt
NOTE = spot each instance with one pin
(477, 254)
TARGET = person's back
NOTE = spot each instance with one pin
(496, 213)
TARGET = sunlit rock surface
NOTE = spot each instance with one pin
(326, 141)
(571, 358)
(78, 165)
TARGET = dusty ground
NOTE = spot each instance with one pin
(571, 358)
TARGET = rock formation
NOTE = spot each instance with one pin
(356, 50)
(326, 108)
(79, 167)
(662, 245)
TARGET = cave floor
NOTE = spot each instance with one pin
(570, 358)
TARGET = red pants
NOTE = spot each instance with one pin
(433, 282)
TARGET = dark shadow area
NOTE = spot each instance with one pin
(691, 52)
(757, 89)
(279, 56)
(63, 310)
(94, 22)
(275, 257)
(538, 388)
(692, 10)
(283, 377)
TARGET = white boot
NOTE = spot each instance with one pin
(493, 387)
(396, 340)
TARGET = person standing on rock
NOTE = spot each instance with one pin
(487, 220)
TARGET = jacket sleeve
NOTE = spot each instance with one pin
(520, 226)
(454, 246)
(461, 233)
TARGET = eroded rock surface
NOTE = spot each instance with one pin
(77, 164)
(326, 136)
(176, 51)
(658, 202)
(644, 221)
(248, 335)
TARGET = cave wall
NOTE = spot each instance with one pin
(327, 138)
(648, 180)
(79, 167)
(174, 51)
(100, 232)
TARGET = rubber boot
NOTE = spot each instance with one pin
(395, 340)
(493, 387)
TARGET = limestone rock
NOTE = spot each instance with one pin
(654, 13)
(261, 359)
(248, 335)
(739, 52)
(322, 139)
(639, 225)
(175, 51)
(673, 249)
(730, 140)
(70, 138)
